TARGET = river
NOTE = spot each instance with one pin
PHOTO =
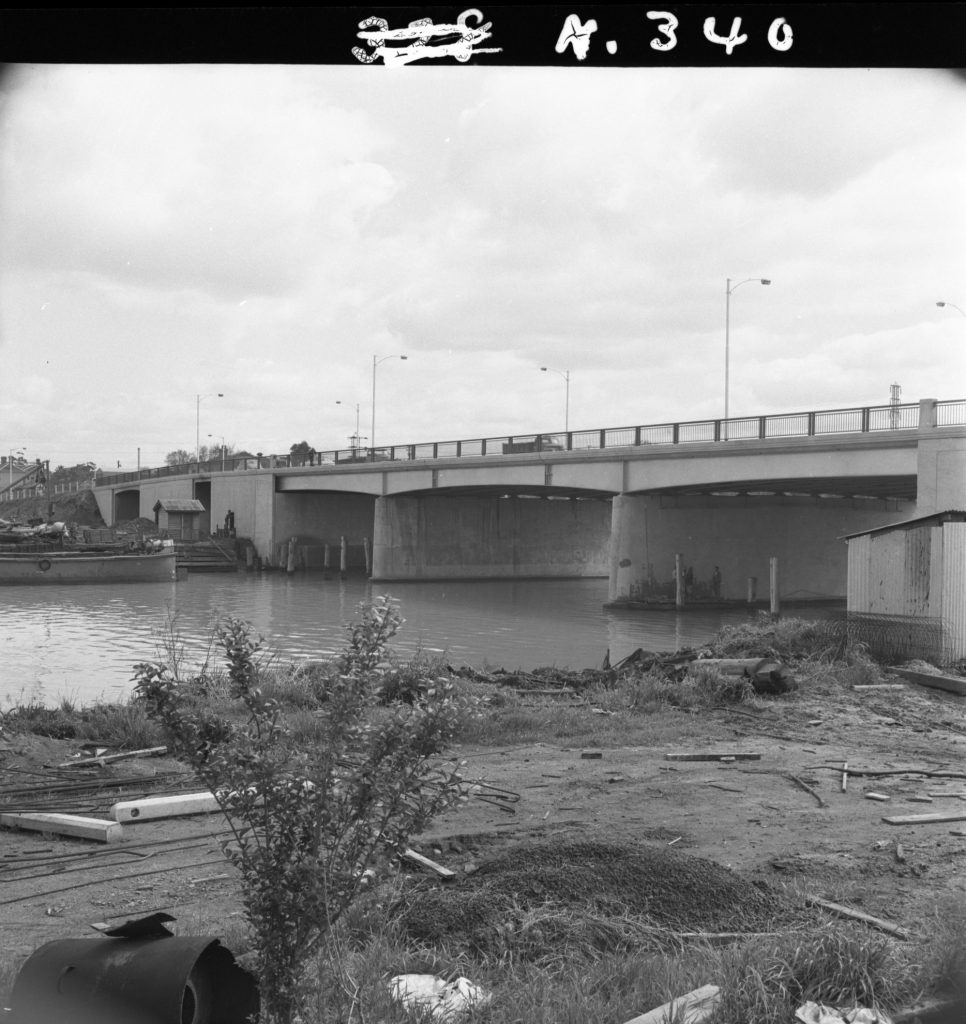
(80, 642)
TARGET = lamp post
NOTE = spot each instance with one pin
(729, 288)
(375, 362)
(222, 450)
(566, 376)
(951, 304)
(198, 399)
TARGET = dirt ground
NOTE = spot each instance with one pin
(749, 816)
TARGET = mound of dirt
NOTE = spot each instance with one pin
(653, 884)
(79, 507)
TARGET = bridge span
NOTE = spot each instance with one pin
(617, 503)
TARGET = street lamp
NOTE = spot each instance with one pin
(198, 422)
(952, 304)
(222, 450)
(729, 288)
(375, 362)
(566, 376)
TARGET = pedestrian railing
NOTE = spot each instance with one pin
(860, 419)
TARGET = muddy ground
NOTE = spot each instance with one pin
(749, 816)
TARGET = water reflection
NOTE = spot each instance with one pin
(82, 641)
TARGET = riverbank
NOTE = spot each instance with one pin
(601, 785)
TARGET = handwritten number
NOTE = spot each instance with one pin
(780, 35)
(730, 41)
(666, 28)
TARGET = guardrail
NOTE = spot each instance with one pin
(860, 419)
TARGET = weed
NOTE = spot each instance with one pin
(308, 817)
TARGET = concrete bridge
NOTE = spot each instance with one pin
(617, 503)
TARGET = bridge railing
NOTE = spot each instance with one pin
(859, 419)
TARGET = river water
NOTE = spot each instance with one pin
(80, 642)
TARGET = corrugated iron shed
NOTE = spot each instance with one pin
(909, 578)
(949, 516)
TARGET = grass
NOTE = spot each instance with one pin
(552, 963)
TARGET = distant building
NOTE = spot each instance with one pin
(21, 479)
(180, 518)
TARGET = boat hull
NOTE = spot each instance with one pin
(62, 567)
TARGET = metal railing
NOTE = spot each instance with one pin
(857, 420)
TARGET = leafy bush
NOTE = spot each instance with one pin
(308, 818)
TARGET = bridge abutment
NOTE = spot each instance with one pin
(940, 464)
(489, 537)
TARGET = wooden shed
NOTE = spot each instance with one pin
(908, 580)
(180, 517)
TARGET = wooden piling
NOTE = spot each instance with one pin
(343, 558)
(368, 550)
(679, 580)
(326, 561)
(774, 600)
(291, 555)
(752, 589)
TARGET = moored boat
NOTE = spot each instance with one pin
(65, 566)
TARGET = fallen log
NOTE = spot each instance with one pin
(107, 758)
(858, 915)
(65, 825)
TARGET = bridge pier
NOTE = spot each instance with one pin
(489, 537)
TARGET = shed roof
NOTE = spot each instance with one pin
(178, 505)
(949, 516)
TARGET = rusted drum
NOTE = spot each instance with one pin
(175, 980)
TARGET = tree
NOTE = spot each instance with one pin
(308, 815)
(301, 453)
(178, 457)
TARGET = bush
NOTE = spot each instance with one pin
(308, 818)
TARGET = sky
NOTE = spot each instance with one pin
(172, 232)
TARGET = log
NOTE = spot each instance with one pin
(692, 1008)
(922, 819)
(951, 684)
(152, 808)
(87, 761)
(424, 862)
(858, 915)
(65, 825)
(725, 754)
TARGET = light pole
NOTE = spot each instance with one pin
(951, 304)
(198, 399)
(375, 362)
(222, 450)
(566, 376)
(729, 288)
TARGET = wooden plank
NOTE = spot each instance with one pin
(730, 754)
(164, 807)
(923, 819)
(87, 761)
(691, 1008)
(951, 684)
(65, 825)
(417, 858)
(858, 915)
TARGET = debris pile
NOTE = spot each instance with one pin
(659, 887)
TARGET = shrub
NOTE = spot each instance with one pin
(308, 818)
